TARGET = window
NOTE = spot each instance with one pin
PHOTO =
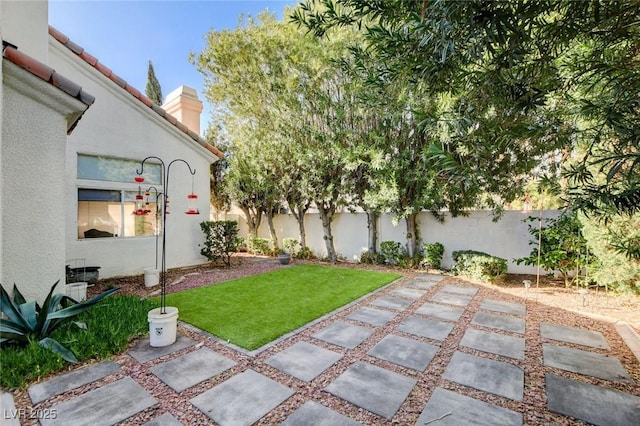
(116, 169)
(107, 210)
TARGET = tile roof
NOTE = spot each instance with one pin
(48, 74)
(93, 61)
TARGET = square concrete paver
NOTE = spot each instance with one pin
(497, 377)
(372, 316)
(451, 298)
(499, 344)
(106, 405)
(504, 307)
(243, 399)
(593, 404)
(390, 302)
(500, 322)
(314, 414)
(190, 369)
(344, 334)
(423, 285)
(144, 352)
(408, 292)
(445, 312)
(10, 415)
(431, 329)
(578, 336)
(164, 420)
(584, 362)
(405, 352)
(303, 360)
(72, 380)
(460, 289)
(453, 409)
(373, 388)
(430, 277)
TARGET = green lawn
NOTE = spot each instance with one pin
(255, 310)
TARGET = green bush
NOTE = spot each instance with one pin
(371, 258)
(406, 262)
(563, 247)
(258, 245)
(221, 240)
(291, 246)
(304, 253)
(25, 322)
(613, 266)
(478, 265)
(433, 253)
(392, 251)
(110, 325)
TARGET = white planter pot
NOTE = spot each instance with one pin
(151, 277)
(162, 327)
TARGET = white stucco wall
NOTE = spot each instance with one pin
(32, 192)
(118, 125)
(25, 23)
(507, 238)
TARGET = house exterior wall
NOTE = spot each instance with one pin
(507, 238)
(118, 125)
(25, 24)
(32, 181)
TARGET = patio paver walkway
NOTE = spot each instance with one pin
(250, 389)
(372, 388)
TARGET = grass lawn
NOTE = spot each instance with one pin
(252, 311)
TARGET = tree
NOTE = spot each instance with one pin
(153, 89)
(519, 86)
(280, 100)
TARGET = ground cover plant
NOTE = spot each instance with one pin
(110, 325)
(252, 311)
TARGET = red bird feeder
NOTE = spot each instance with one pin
(192, 204)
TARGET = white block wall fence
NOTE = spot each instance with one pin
(507, 238)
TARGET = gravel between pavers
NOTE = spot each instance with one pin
(533, 405)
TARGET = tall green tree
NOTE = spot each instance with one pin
(152, 88)
(517, 86)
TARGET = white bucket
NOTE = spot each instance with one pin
(162, 327)
(151, 277)
(77, 291)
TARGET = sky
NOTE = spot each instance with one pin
(126, 34)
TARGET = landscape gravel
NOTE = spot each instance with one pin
(542, 305)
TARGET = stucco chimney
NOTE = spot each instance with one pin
(183, 104)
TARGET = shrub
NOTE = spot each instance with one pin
(291, 246)
(27, 322)
(562, 245)
(304, 253)
(392, 251)
(611, 266)
(478, 265)
(258, 245)
(110, 326)
(371, 258)
(221, 239)
(406, 262)
(433, 253)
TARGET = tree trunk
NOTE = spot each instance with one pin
(372, 226)
(253, 219)
(303, 234)
(272, 230)
(299, 211)
(412, 238)
(326, 216)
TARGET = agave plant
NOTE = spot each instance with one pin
(25, 322)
